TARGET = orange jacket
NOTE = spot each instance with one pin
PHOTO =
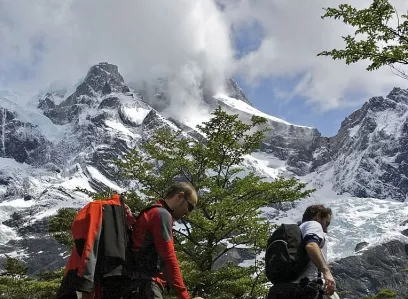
(100, 235)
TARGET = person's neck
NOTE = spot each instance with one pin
(167, 205)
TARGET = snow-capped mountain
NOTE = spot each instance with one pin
(59, 140)
(372, 155)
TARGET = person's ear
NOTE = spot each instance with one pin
(181, 197)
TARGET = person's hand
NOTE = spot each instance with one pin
(329, 284)
(198, 298)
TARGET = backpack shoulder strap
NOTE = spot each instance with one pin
(149, 208)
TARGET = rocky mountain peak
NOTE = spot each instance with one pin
(104, 76)
(101, 79)
(398, 95)
(370, 149)
(392, 102)
(234, 91)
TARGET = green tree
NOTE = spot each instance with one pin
(131, 197)
(381, 36)
(228, 214)
(14, 267)
(59, 226)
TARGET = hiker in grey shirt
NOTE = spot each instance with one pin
(315, 222)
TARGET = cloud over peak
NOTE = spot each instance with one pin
(44, 41)
(48, 40)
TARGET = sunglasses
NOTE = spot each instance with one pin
(190, 205)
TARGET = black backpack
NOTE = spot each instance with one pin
(286, 255)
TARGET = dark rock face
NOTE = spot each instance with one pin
(235, 255)
(21, 141)
(380, 267)
(106, 89)
(112, 102)
(47, 103)
(299, 153)
(360, 246)
(45, 254)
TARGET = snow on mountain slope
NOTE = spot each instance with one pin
(245, 107)
(25, 106)
(369, 155)
(355, 219)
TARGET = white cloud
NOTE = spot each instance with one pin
(44, 41)
(294, 34)
(47, 40)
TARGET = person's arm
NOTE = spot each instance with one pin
(162, 231)
(315, 254)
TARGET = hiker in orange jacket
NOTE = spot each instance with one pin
(154, 262)
(100, 233)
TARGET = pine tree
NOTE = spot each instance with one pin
(375, 39)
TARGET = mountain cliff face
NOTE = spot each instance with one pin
(370, 149)
(383, 266)
(58, 141)
(368, 156)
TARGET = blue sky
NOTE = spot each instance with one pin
(299, 109)
(295, 111)
(262, 94)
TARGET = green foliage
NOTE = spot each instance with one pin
(14, 288)
(383, 294)
(97, 195)
(227, 215)
(131, 197)
(14, 267)
(60, 226)
(51, 275)
(375, 38)
(15, 285)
